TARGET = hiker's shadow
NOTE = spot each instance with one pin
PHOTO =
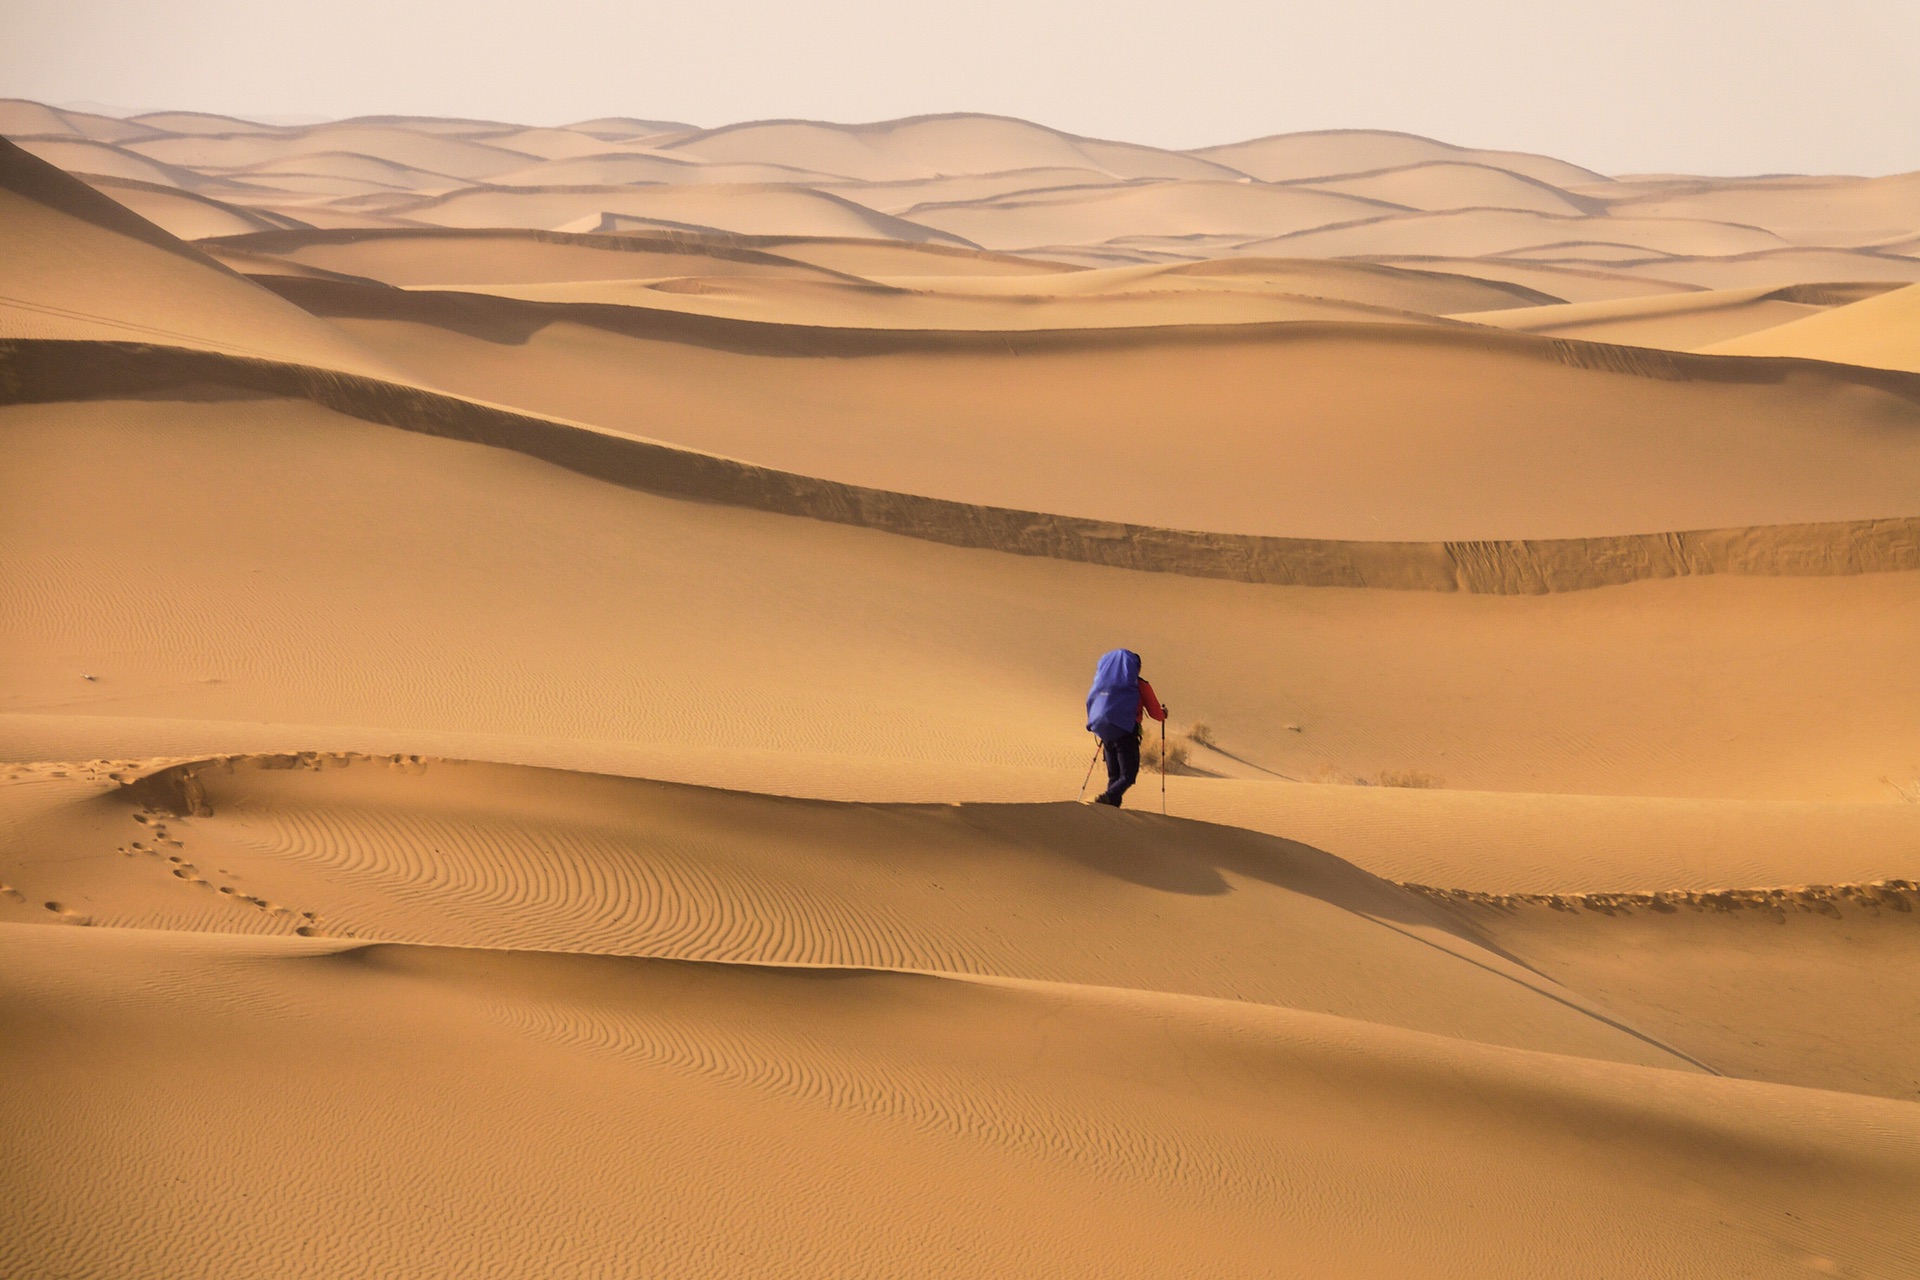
(1197, 858)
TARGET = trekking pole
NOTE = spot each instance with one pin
(1089, 778)
(1163, 766)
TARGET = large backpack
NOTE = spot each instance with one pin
(1113, 704)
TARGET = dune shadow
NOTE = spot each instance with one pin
(1181, 855)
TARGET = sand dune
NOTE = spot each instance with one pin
(84, 267)
(1420, 292)
(1825, 212)
(1780, 268)
(337, 194)
(629, 129)
(1487, 232)
(1091, 413)
(965, 188)
(950, 289)
(1755, 979)
(1435, 185)
(702, 1084)
(1631, 668)
(200, 122)
(1882, 332)
(1011, 184)
(543, 752)
(448, 155)
(346, 166)
(20, 118)
(1082, 215)
(1342, 152)
(1566, 281)
(438, 256)
(377, 851)
(839, 304)
(493, 856)
(620, 169)
(83, 155)
(929, 146)
(882, 260)
(188, 214)
(439, 126)
(562, 144)
(1679, 321)
(768, 210)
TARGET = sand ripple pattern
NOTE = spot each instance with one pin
(901, 1085)
(512, 884)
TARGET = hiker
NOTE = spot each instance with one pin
(1117, 705)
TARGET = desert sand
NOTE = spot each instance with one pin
(540, 705)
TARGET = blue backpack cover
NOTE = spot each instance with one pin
(1113, 704)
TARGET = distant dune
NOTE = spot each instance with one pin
(1010, 184)
(1880, 332)
(541, 693)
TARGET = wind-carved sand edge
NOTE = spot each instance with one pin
(46, 371)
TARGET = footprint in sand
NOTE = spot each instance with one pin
(259, 903)
(68, 914)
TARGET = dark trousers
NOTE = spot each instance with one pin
(1123, 766)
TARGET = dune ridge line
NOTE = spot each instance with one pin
(173, 786)
(51, 371)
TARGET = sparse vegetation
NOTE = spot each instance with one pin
(1178, 748)
(1412, 778)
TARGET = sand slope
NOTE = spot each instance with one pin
(1810, 211)
(1090, 215)
(700, 1087)
(1679, 321)
(928, 145)
(1755, 982)
(1882, 332)
(84, 155)
(19, 118)
(82, 266)
(909, 289)
(1335, 152)
(477, 855)
(1492, 232)
(712, 656)
(1447, 184)
(483, 259)
(188, 214)
(770, 210)
(1366, 455)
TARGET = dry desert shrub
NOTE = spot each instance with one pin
(1177, 751)
(1408, 778)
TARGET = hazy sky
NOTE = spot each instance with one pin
(1713, 86)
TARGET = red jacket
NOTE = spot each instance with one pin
(1149, 705)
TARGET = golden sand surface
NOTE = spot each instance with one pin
(540, 706)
